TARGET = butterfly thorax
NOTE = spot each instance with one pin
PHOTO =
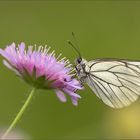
(82, 70)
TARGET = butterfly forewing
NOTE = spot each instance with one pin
(115, 82)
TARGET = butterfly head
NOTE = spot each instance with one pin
(78, 60)
(80, 63)
(80, 66)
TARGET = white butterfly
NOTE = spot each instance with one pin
(116, 82)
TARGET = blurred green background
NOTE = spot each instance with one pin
(103, 29)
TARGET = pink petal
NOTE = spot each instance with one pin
(22, 48)
(4, 53)
(10, 67)
(71, 93)
(74, 101)
(61, 96)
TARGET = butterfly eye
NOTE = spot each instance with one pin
(79, 60)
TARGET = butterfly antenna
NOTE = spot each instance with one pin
(75, 48)
(75, 40)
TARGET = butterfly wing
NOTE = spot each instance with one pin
(115, 82)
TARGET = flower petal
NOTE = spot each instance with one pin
(21, 48)
(71, 93)
(74, 101)
(61, 96)
(10, 67)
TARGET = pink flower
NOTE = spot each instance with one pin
(42, 70)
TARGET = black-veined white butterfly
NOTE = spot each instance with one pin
(115, 81)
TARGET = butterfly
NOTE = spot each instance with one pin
(115, 81)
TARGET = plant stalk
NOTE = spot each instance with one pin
(19, 115)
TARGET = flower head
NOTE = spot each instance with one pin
(42, 70)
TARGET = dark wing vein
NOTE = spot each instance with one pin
(102, 80)
(90, 82)
(101, 89)
(116, 95)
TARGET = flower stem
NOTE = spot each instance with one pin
(20, 113)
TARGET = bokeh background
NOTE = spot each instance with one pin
(103, 29)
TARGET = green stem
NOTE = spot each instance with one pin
(20, 113)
